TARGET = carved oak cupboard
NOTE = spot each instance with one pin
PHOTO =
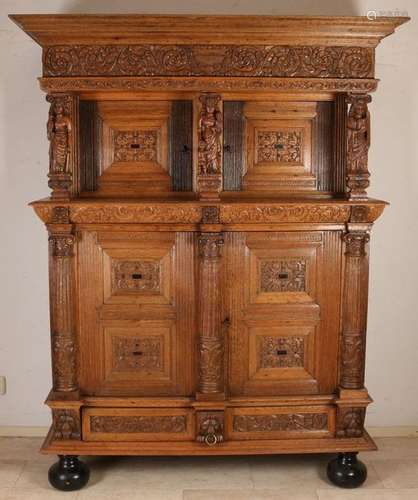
(208, 229)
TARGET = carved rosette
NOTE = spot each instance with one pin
(66, 424)
(62, 151)
(350, 422)
(211, 341)
(63, 343)
(358, 143)
(209, 176)
(353, 339)
(210, 427)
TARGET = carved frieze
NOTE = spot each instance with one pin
(139, 424)
(196, 84)
(126, 213)
(210, 427)
(358, 143)
(209, 60)
(135, 276)
(286, 275)
(135, 145)
(281, 422)
(279, 146)
(280, 352)
(350, 422)
(137, 353)
(285, 213)
(66, 424)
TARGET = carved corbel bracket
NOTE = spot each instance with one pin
(66, 419)
(63, 340)
(209, 174)
(61, 131)
(358, 143)
(355, 293)
(351, 411)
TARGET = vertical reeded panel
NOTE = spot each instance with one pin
(180, 145)
(323, 146)
(339, 171)
(89, 146)
(233, 160)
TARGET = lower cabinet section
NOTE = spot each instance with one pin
(208, 427)
(132, 424)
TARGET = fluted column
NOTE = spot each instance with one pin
(211, 342)
(61, 275)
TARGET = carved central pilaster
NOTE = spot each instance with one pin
(211, 341)
(358, 143)
(353, 340)
(209, 176)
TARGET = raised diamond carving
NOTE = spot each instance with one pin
(135, 145)
(280, 352)
(137, 276)
(279, 146)
(287, 275)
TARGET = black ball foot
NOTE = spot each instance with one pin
(346, 471)
(68, 474)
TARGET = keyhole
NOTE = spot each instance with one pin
(137, 276)
(185, 149)
(135, 146)
(281, 352)
(283, 276)
(227, 148)
(137, 353)
(279, 146)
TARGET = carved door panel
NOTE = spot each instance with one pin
(136, 295)
(282, 300)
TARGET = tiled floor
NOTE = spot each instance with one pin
(393, 475)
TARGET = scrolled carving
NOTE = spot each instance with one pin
(66, 424)
(210, 427)
(286, 275)
(281, 352)
(350, 422)
(210, 135)
(60, 215)
(64, 356)
(209, 60)
(172, 424)
(57, 84)
(358, 143)
(211, 355)
(279, 146)
(281, 422)
(210, 215)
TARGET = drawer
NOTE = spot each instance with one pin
(134, 424)
(280, 422)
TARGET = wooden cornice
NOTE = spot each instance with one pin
(48, 29)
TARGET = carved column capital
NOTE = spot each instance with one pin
(355, 243)
(358, 142)
(210, 245)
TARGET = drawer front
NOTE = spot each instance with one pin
(133, 424)
(280, 422)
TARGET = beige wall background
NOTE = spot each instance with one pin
(392, 351)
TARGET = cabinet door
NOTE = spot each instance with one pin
(283, 303)
(137, 319)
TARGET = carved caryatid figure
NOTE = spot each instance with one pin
(358, 142)
(58, 129)
(210, 130)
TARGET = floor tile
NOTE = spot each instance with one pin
(397, 473)
(10, 471)
(15, 448)
(247, 495)
(35, 494)
(119, 473)
(139, 494)
(362, 494)
(396, 447)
